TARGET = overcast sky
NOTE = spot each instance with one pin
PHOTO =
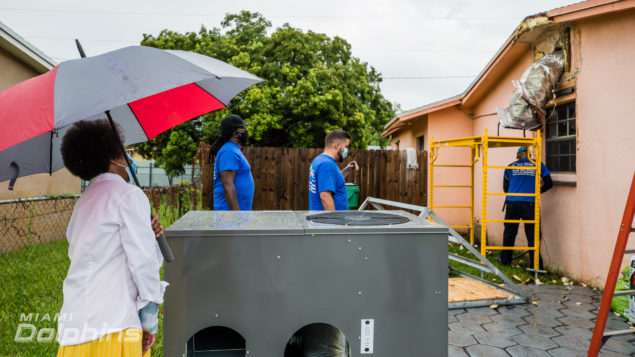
(426, 50)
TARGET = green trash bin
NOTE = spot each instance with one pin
(352, 193)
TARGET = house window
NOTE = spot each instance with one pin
(421, 143)
(560, 138)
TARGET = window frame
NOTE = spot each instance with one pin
(570, 137)
(421, 140)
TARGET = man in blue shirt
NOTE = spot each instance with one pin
(327, 189)
(233, 182)
(521, 207)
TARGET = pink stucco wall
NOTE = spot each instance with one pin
(448, 124)
(606, 142)
(485, 116)
(580, 224)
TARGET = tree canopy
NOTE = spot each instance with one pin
(313, 85)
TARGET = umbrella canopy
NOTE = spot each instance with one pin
(146, 90)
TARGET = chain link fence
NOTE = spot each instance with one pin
(33, 264)
(151, 175)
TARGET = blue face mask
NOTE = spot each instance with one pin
(345, 153)
(133, 165)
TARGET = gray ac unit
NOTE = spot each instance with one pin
(378, 279)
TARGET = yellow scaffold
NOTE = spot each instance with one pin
(479, 146)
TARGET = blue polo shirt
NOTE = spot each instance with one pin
(230, 158)
(522, 180)
(325, 175)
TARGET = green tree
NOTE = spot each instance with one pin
(313, 85)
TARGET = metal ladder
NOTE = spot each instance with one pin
(626, 228)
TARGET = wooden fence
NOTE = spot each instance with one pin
(281, 176)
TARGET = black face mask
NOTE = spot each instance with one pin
(243, 138)
(340, 158)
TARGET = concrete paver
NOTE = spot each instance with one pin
(502, 329)
(541, 330)
(560, 323)
(566, 352)
(456, 351)
(486, 351)
(494, 339)
(573, 342)
(524, 351)
(460, 339)
(535, 341)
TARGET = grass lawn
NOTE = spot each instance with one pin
(32, 284)
(31, 293)
(517, 271)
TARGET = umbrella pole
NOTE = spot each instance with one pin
(163, 243)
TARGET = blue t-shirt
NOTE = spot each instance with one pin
(326, 176)
(230, 158)
(522, 180)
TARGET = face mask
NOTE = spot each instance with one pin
(243, 138)
(134, 167)
(342, 155)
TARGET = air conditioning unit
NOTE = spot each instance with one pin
(289, 283)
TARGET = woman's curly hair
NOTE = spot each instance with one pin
(88, 147)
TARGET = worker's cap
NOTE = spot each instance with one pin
(521, 149)
(233, 121)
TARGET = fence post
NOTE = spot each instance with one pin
(150, 179)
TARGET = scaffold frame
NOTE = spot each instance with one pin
(479, 146)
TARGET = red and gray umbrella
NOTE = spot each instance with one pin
(146, 90)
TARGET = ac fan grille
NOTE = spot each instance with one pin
(357, 218)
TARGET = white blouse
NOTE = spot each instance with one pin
(115, 262)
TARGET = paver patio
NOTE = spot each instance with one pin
(560, 323)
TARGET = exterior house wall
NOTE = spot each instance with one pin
(444, 124)
(407, 137)
(606, 129)
(484, 114)
(579, 223)
(14, 71)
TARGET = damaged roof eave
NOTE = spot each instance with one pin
(509, 52)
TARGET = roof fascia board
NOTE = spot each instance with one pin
(435, 108)
(391, 131)
(22, 49)
(509, 55)
(593, 8)
(584, 5)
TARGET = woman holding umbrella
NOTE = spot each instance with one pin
(113, 288)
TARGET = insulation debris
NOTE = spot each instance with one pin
(532, 92)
